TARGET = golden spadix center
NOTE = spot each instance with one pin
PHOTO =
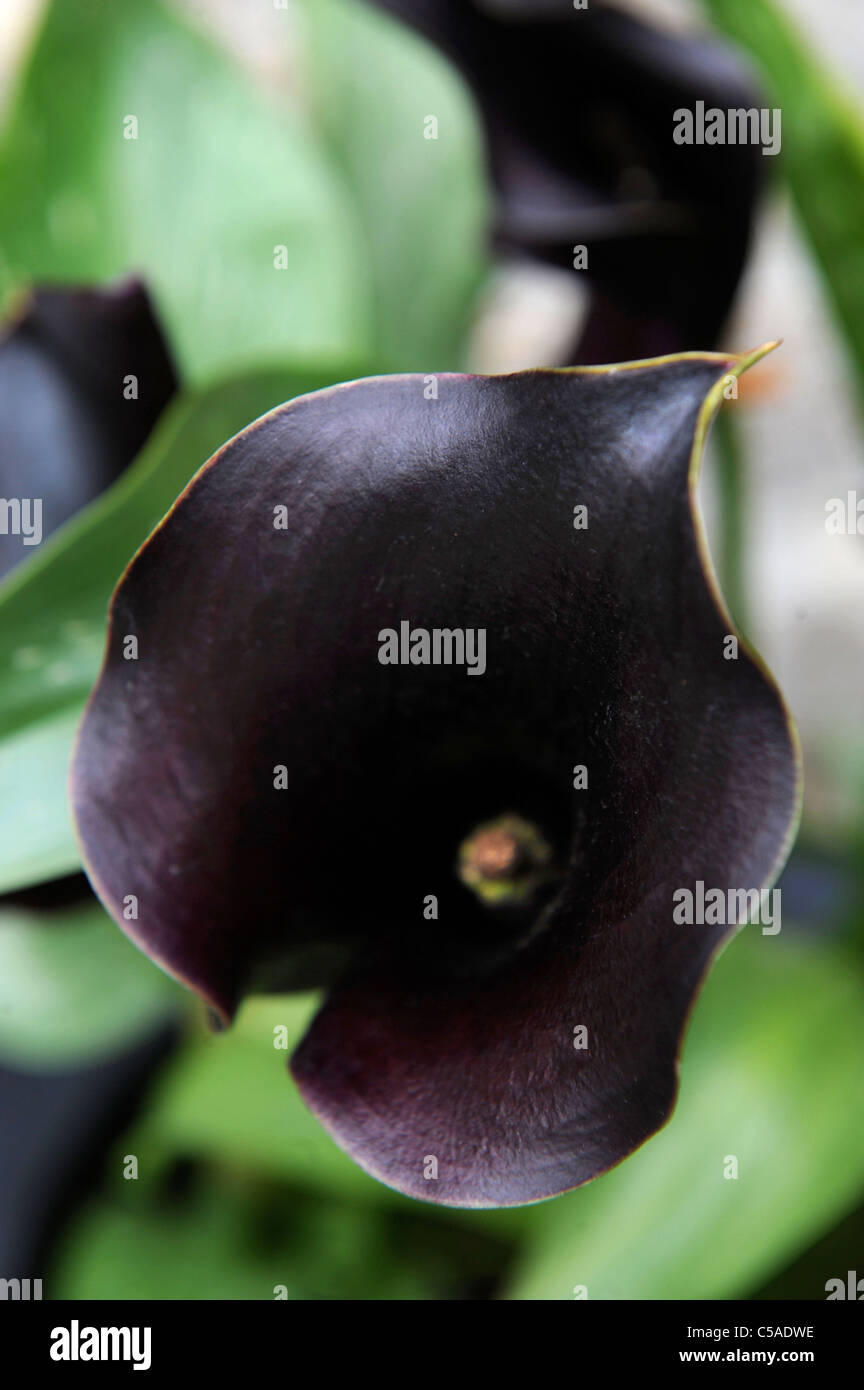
(505, 860)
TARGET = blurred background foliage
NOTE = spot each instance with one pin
(300, 127)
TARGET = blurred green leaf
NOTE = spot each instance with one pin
(822, 152)
(771, 1075)
(72, 988)
(216, 179)
(37, 841)
(224, 1241)
(52, 613)
(421, 201)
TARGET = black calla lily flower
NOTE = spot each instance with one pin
(84, 375)
(277, 783)
(578, 108)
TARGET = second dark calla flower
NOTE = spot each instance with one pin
(578, 106)
(430, 701)
(85, 372)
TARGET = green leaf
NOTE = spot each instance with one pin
(771, 1076)
(215, 180)
(822, 152)
(52, 614)
(37, 841)
(230, 1240)
(72, 988)
(421, 201)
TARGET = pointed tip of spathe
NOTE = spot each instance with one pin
(743, 360)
